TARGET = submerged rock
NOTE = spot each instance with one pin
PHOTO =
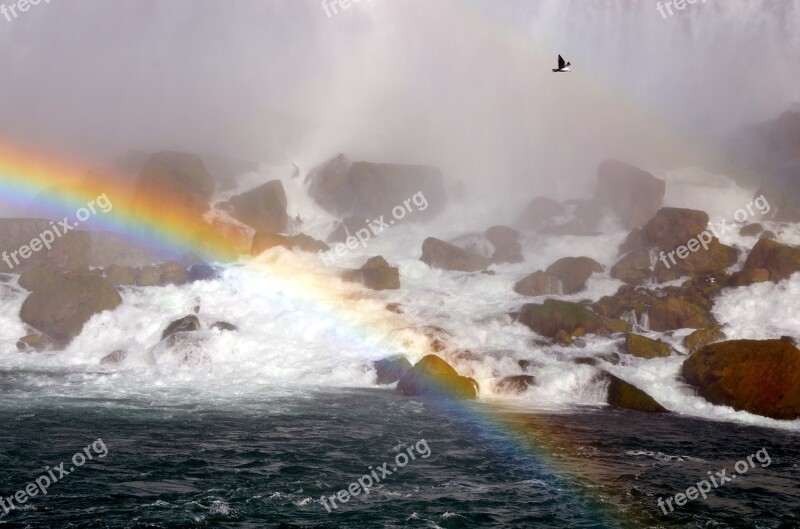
(36, 342)
(390, 370)
(433, 377)
(117, 357)
(224, 326)
(376, 274)
(758, 376)
(515, 384)
(188, 323)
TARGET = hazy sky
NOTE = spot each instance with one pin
(464, 84)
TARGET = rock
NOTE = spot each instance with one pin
(115, 249)
(623, 395)
(202, 272)
(173, 273)
(263, 208)
(36, 342)
(553, 316)
(751, 230)
(540, 213)
(702, 337)
(632, 194)
(395, 308)
(5, 278)
(115, 358)
(537, 284)
(618, 326)
(440, 254)
(72, 250)
(121, 275)
(224, 326)
(758, 376)
(673, 313)
(61, 308)
(747, 277)
(644, 347)
(306, 243)
(266, 240)
(39, 277)
(390, 370)
(181, 179)
(186, 324)
(506, 243)
(634, 268)
(563, 337)
(347, 228)
(780, 260)
(573, 272)
(375, 274)
(434, 377)
(369, 190)
(148, 276)
(515, 384)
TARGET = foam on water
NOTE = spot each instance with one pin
(286, 346)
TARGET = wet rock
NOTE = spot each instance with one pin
(121, 275)
(369, 190)
(623, 395)
(440, 254)
(573, 272)
(376, 274)
(390, 370)
(537, 284)
(224, 326)
(506, 243)
(61, 308)
(72, 250)
(148, 276)
(644, 347)
(514, 385)
(186, 324)
(395, 308)
(262, 208)
(115, 358)
(751, 230)
(634, 268)
(202, 272)
(633, 194)
(540, 213)
(39, 277)
(780, 260)
(266, 240)
(758, 376)
(553, 316)
(348, 228)
(173, 273)
(747, 277)
(434, 377)
(673, 313)
(182, 179)
(35, 342)
(702, 337)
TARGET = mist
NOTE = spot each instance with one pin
(465, 85)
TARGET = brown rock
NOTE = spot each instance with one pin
(573, 272)
(540, 213)
(553, 316)
(376, 274)
(633, 194)
(263, 208)
(644, 347)
(440, 254)
(148, 276)
(121, 275)
(702, 337)
(623, 395)
(537, 284)
(39, 277)
(780, 260)
(758, 376)
(673, 313)
(390, 370)
(514, 385)
(432, 376)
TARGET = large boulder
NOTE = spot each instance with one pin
(645, 347)
(633, 194)
(61, 308)
(263, 208)
(68, 251)
(507, 248)
(434, 377)
(758, 376)
(624, 395)
(573, 272)
(370, 190)
(541, 213)
(390, 370)
(39, 277)
(674, 313)
(538, 284)
(554, 316)
(702, 337)
(177, 179)
(437, 253)
(376, 274)
(779, 260)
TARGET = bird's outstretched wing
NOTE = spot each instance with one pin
(560, 62)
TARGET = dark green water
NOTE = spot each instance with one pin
(254, 464)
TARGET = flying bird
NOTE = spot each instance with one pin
(562, 66)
